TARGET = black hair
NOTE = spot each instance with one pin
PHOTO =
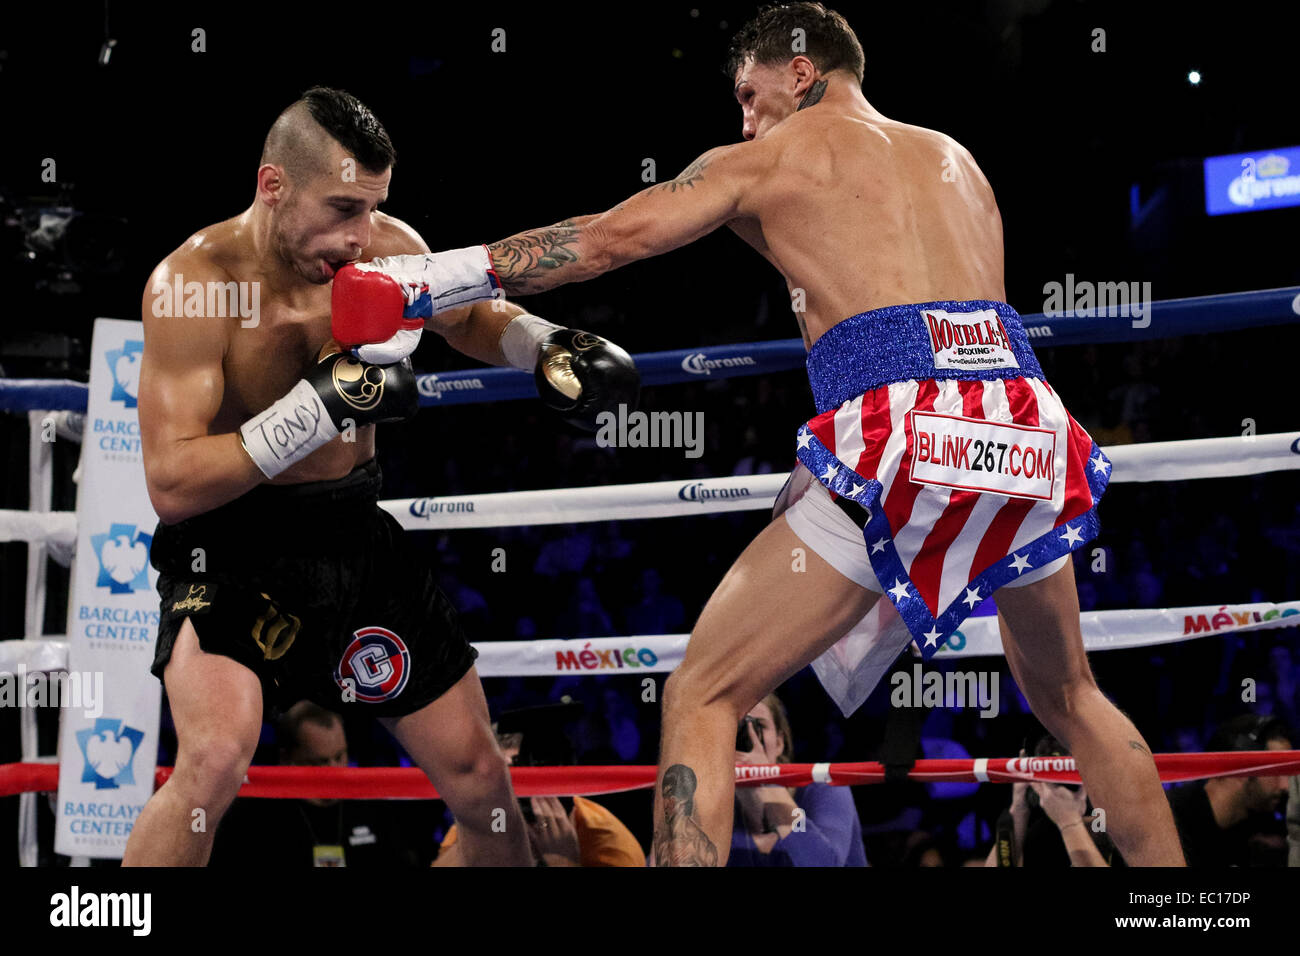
(771, 38)
(295, 141)
(352, 124)
(1248, 732)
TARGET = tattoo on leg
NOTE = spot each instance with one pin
(1137, 745)
(679, 840)
(814, 95)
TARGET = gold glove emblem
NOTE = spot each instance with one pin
(358, 384)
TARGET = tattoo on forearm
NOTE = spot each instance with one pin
(679, 839)
(688, 177)
(814, 95)
(526, 262)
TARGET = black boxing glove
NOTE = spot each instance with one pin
(339, 390)
(581, 375)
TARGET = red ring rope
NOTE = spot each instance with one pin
(411, 783)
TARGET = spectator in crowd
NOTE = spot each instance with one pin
(1065, 808)
(564, 831)
(1051, 823)
(815, 825)
(1232, 821)
(301, 833)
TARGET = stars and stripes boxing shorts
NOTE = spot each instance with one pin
(938, 435)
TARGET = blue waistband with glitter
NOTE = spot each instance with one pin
(899, 342)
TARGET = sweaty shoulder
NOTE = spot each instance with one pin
(214, 255)
(826, 148)
(214, 252)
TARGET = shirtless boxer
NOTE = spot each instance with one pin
(860, 214)
(280, 577)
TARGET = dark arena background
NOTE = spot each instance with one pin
(1092, 122)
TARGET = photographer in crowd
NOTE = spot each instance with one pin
(1050, 824)
(815, 825)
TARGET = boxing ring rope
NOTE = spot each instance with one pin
(661, 653)
(410, 783)
(1166, 318)
(1151, 461)
(55, 532)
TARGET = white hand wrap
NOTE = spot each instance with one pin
(288, 431)
(522, 338)
(390, 351)
(450, 279)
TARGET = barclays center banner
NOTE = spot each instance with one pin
(107, 754)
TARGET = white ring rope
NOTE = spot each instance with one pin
(661, 653)
(1151, 461)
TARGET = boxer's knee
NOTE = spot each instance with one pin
(692, 688)
(488, 774)
(213, 753)
(476, 787)
(211, 767)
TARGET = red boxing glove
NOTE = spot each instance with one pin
(366, 307)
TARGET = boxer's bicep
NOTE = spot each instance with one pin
(705, 195)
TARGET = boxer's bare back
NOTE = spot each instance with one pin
(856, 211)
(860, 211)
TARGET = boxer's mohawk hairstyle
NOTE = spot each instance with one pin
(770, 38)
(295, 138)
(350, 122)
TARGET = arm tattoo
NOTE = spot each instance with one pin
(687, 178)
(1137, 745)
(679, 839)
(814, 95)
(523, 261)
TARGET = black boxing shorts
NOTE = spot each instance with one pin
(318, 591)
